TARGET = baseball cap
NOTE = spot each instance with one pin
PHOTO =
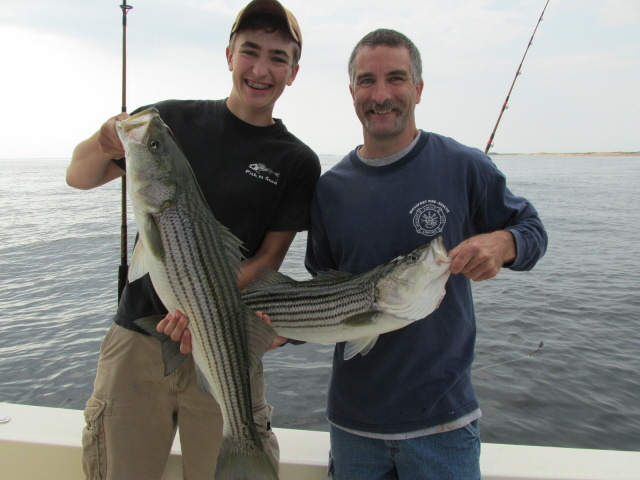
(272, 7)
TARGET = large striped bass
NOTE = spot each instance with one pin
(193, 262)
(356, 309)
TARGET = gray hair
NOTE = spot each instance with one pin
(389, 38)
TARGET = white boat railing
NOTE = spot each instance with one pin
(44, 443)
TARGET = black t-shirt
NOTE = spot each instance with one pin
(255, 180)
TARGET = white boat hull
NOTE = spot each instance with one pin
(44, 443)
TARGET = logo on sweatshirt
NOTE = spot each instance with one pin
(429, 217)
(262, 172)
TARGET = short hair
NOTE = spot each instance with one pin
(268, 23)
(389, 38)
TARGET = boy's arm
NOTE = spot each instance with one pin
(91, 164)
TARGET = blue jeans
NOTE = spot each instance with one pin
(453, 455)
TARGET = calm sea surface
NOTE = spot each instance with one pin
(59, 254)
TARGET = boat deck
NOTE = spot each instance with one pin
(44, 443)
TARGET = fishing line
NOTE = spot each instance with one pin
(124, 267)
(519, 359)
(489, 145)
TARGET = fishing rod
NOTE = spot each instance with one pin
(518, 73)
(124, 267)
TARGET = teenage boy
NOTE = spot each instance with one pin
(135, 410)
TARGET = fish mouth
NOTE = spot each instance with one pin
(135, 127)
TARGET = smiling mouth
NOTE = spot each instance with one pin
(258, 86)
(382, 108)
(381, 111)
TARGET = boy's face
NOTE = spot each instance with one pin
(261, 67)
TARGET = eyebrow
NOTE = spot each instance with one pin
(255, 46)
(392, 73)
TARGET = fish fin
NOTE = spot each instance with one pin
(203, 383)
(361, 346)
(233, 247)
(171, 355)
(361, 319)
(138, 267)
(259, 337)
(266, 276)
(332, 275)
(234, 461)
(154, 238)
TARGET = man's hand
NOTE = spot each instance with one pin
(175, 325)
(278, 341)
(108, 139)
(481, 257)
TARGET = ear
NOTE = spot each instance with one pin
(352, 92)
(419, 88)
(229, 59)
(293, 75)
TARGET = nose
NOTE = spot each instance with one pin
(380, 92)
(260, 67)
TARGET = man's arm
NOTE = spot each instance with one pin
(271, 254)
(91, 164)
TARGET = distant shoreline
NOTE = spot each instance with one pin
(539, 154)
(587, 154)
(584, 154)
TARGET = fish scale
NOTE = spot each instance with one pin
(193, 248)
(326, 306)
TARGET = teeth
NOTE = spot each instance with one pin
(382, 109)
(258, 86)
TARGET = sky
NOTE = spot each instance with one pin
(579, 91)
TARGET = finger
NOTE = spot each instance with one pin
(163, 323)
(169, 324)
(461, 263)
(483, 271)
(277, 342)
(180, 327)
(185, 342)
(108, 140)
(264, 317)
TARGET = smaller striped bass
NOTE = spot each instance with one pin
(340, 307)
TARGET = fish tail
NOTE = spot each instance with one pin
(234, 464)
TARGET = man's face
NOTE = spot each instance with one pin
(384, 93)
(261, 66)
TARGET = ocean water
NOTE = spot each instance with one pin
(59, 256)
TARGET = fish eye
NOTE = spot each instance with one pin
(154, 144)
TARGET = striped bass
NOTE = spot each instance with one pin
(339, 307)
(193, 263)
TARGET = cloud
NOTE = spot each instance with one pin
(65, 66)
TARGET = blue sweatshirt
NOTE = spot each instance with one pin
(417, 377)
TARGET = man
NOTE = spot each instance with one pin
(407, 410)
(134, 411)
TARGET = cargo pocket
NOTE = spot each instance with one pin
(94, 459)
(262, 419)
